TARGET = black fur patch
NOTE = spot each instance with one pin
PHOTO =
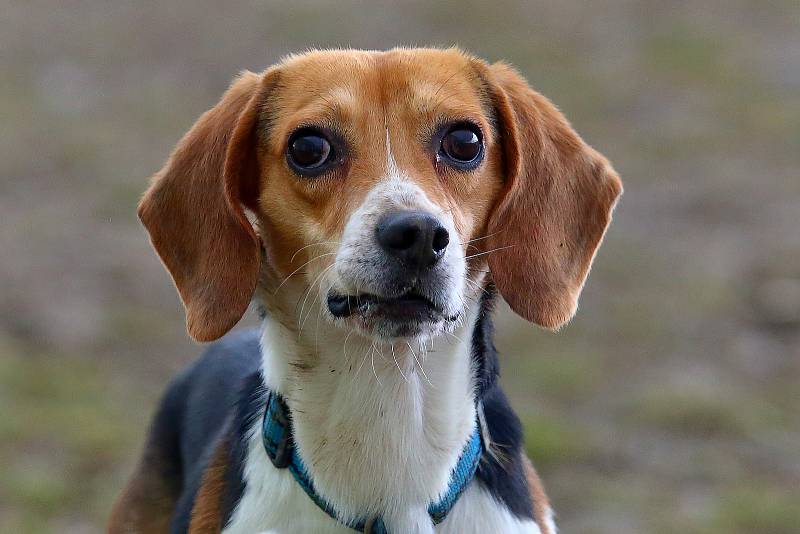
(249, 409)
(503, 474)
(204, 404)
(484, 353)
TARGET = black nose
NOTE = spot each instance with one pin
(416, 237)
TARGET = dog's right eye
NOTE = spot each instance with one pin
(309, 152)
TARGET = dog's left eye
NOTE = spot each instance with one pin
(462, 146)
(309, 152)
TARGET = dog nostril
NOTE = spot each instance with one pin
(440, 240)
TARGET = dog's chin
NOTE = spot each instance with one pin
(410, 315)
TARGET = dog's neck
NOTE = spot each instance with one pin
(379, 426)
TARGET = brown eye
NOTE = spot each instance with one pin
(462, 146)
(309, 152)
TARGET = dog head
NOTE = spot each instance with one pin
(387, 186)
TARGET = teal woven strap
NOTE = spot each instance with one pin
(279, 445)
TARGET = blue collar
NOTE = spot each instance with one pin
(279, 444)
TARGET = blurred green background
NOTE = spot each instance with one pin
(670, 404)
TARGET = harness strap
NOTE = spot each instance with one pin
(279, 445)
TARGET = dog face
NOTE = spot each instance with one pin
(384, 185)
(379, 169)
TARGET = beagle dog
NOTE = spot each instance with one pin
(373, 204)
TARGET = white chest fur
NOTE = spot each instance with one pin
(273, 503)
(378, 435)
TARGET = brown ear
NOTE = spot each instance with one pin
(555, 207)
(194, 213)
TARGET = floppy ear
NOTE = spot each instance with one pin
(554, 209)
(194, 213)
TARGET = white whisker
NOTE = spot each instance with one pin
(358, 371)
(476, 285)
(372, 360)
(397, 364)
(418, 363)
(308, 292)
(481, 238)
(455, 336)
(296, 252)
(344, 346)
(488, 252)
(295, 271)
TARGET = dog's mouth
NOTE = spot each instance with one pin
(409, 307)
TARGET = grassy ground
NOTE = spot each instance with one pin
(669, 405)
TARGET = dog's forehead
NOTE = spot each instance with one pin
(402, 82)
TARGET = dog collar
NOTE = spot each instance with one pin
(279, 444)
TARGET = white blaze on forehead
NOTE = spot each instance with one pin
(392, 171)
(398, 188)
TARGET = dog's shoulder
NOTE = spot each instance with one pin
(223, 392)
(212, 388)
(194, 451)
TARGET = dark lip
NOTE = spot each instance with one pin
(410, 305)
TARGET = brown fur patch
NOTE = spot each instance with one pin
(194, 211)
(207, 510)
(541, 504)
(554, 210)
